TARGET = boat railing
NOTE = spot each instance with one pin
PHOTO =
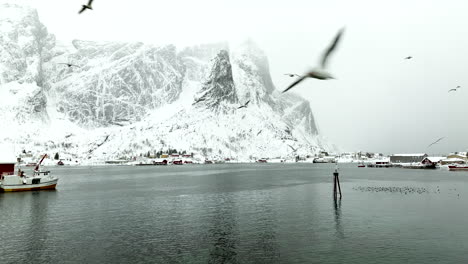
(37, 173)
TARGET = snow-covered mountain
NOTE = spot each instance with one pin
(124, 99)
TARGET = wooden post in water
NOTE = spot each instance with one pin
(336, 183)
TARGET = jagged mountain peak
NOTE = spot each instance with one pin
(251, 73)
(24, 45)
(218, 91)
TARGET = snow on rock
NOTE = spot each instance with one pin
(116, 82)
(24, 45)
(125, 99)
(219, 90)
(251, 73)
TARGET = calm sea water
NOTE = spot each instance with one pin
(246, 213)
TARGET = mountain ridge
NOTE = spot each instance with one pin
(141, 98)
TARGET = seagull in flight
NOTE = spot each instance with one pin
(292, 75)
(435, 142)
(88, 6)
(244, 105)
(454, 89)
(69, 64)
(408, 58)
(320, 73)
(295, 150)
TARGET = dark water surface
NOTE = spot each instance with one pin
(246, 213)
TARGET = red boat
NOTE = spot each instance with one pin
(458, 168)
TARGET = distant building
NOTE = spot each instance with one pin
(458, 155)
(407, 158)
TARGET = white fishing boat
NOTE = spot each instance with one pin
(39, 180)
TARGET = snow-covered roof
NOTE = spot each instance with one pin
(7, 155)
(453, 159)
(380, 160)
(409, 155)
(436, 159)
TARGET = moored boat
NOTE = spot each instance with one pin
(459, 167)
(40, 180)
(419, 166)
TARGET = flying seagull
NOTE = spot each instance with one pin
(435, 142)
(320, 73)
(408, 58)
(88, 6)
(292, 75)
(454, 89)
(244, 105)
(295, 150)
(69, 64)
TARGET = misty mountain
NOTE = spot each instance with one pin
(124, 99)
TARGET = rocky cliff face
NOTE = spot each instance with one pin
(252, 74)
(218, 91)
(25, 46)
(115, 81)
(142, 98)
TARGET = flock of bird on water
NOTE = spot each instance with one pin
(402, 190)
(319, 73)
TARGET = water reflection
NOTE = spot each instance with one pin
(263, 242)
(337, 210)
(29, 224)
(38, 228)
(223, 233)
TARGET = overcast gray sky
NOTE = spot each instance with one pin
(379, 101)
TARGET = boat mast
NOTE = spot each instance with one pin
(39, 164)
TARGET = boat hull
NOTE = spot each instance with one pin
(50, 185)
(455, 168)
